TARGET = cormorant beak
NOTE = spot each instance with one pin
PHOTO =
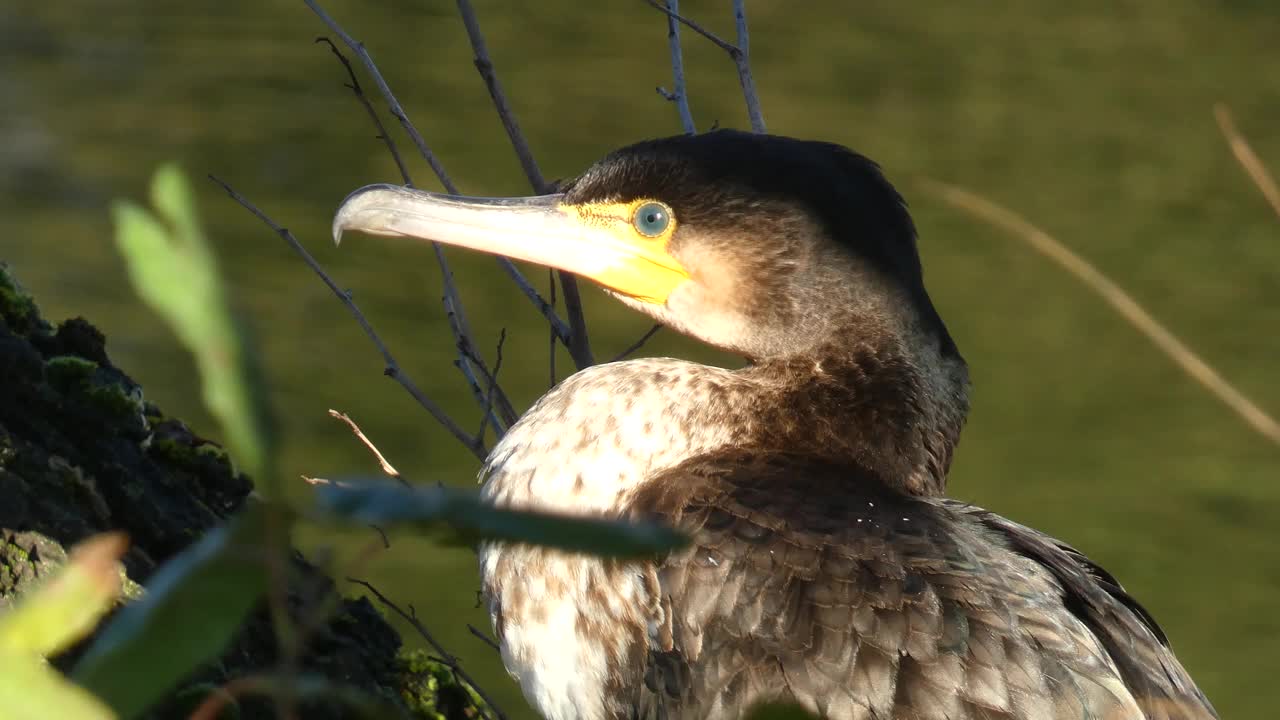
(594, 241)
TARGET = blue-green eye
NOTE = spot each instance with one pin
(652, 219)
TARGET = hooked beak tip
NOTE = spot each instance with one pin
(347, 216)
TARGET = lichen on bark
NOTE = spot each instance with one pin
(82, 451)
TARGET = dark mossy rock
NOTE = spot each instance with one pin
(81, 452)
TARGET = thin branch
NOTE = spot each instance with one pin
(548, 310)
(478, 394)
(468, 361)
(743, 62)
(484, 65)
(425, 150)
(678, 95)
(447, 658)
(457, 318)
(493, 385)
(578, 343)
(387, 467)
(392, 103)
(739, 53)
(484, 637)
(391, 367)
(637, 344)
(1117, 298)
(551, 349)
(355, 88)
(502, 404)
(723, 44)
(1247, 158)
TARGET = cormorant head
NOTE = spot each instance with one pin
(768, 246)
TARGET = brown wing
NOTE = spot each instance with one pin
(817, 584)
(1129, 633)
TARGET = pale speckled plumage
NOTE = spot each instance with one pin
(591, 441)
(626, 420)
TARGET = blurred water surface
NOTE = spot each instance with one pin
(1093, 119)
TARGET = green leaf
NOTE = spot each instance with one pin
(462, 516)
(174, 271)
(194, 605)
(68, 606)
(32, 690)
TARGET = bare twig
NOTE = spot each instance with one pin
(1248, 159)
(637, 344)
(740, 54)
(678, 95)
(484, 637)
(457, 318)
(578, 343)
(551, 349)
(498, 430)
(1123, 303)
(387, 467)
(355, 87)
(357, 47)
(719, 41)
(484, 64)
(467, 362)
(391, 367)
(547, 309)
(502, 404)
(743, 62)
(425, 150)
(446, 657)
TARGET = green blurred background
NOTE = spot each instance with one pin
(1093, 119)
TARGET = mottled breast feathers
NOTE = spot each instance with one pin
(807, 583)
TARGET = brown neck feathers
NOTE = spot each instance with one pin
(891, 412)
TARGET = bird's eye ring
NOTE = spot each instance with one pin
(652, 219)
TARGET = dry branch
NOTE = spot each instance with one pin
(1115, 296)
(1247, 158)
(493, 385)
(577, 341)
(638, 343)
(740, 54)
(452, 301)
(391, 367)
(679, 94)
(446, 657)
(386, 466)
(425, 150)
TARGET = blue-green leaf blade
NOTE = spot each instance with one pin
(194, 605)
(462, 515)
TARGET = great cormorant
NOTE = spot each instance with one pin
(826, 565)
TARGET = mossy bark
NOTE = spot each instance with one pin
(81, 451)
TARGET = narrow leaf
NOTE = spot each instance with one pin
(65, 608)
(194, 605)
(463, 516)
(174, 270)
(32, 690)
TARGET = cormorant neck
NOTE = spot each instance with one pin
(894, 405)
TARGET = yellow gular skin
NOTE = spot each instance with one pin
(640, 266)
